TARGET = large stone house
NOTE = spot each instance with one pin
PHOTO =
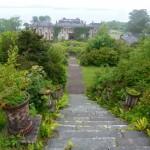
(45, 29)
(67, 29)
(94, 27)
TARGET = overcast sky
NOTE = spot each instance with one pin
(88, 10)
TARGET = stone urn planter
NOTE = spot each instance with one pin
(132, 97)
(19, 121)
(47, 93)
(14, 97)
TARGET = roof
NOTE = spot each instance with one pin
(71, 23)
(94, 25)
(129, 38)
(42, 24)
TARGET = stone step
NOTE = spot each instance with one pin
(86, 114)
(85, 110)
(137, 141)
(91, 123)
(109, 148)
(87, 127)
(83, 143)
(87, 118)
(91, 127)
(100, 133)
(133, 134)
(66, 134)
(130, 148)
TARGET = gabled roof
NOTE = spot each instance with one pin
(70, 23)
(42, 24)
(129, 38)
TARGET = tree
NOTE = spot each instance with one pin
(33, 50)
(26, 25)
(116, 25)
(138, 21)
(44, 18)
(12, 24)
(35, 19)
(7, 40)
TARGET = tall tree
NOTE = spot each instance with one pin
(12, 24)
(44, 18)
(138, 21)
(7, 40)
(35, 19)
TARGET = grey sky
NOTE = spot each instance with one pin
(88, 10)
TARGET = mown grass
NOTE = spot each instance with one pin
(89, 75)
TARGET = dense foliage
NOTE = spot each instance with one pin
(116, 25)
(102, 50)
(13, 83)
(12, 24)
(110, 87)
(7, 40)
(31, 69)
(81, 33)
(35, 51)
(138, 22)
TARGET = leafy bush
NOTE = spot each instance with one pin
(13, 83)
(2, 120)
(101, 40)
(34, 50)
(110, 87)
(36, 146)
(48, 126)
(7, 40)
(103, 50)
(98, 57)
(61, 48)
(38, 83)
(56, 70)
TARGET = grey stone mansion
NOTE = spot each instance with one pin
(66, 29)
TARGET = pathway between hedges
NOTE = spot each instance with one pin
(91, 127)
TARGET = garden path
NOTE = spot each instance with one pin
(91, 127)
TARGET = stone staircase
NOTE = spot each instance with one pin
(91, 127)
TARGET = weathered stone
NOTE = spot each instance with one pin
(32, 136)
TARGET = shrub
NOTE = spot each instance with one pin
(13, 83)
(76, 47)
(7, 40)
(34, 50)
(56, 70)
(98, 57)
(131, 73)
(47, 127)
(101, 40)
(2, 120)
(38, 83)
(102, 50)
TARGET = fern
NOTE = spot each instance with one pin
(141, 124)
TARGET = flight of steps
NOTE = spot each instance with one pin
(91, 127)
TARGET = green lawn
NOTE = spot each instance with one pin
(89, 75)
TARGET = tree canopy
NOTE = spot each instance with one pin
(138, 21)
(117, 25)
(36, 19)
(12, 24)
